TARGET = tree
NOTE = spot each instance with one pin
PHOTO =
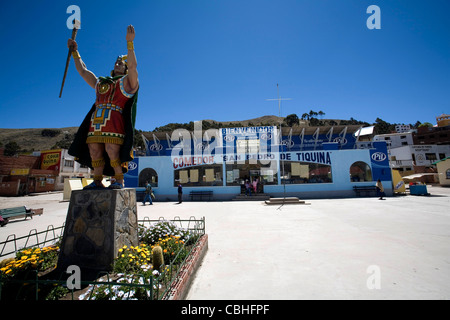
(416, 125)
(321, 114)
(313, 114)
(138, 142)
(50, 132)
(291, 120)
(11, 149)
(426, 124)
(383, 127)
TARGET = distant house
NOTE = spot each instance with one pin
(443, 169)
(42, 171)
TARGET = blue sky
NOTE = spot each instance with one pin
(221, 59)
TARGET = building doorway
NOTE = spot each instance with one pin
(257, 174)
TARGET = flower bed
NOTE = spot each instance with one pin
(143, 272)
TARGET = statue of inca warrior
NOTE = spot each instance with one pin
(104, 140)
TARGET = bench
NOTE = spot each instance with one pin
(16, 212)
(366, 189)
(201, 194)
(140, 194)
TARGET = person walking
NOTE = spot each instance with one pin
(380, 190)
(148, 194)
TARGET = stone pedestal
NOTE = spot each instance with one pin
(98, 224)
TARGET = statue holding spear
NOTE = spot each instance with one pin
(104, 139)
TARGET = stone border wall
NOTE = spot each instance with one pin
(180, 286)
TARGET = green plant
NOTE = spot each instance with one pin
(57, 292)
(158, 258)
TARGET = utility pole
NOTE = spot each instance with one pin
(281, 139)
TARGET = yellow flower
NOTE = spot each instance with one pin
(24, 258)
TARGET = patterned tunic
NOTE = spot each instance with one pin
(107, 123)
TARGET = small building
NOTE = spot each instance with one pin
(65, 165)
(22, 174)
(42, 171)
(308, 162)
(443, 120)
(443, 169)
(401, 128)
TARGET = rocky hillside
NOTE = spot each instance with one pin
(30, 140)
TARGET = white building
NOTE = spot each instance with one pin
(404, 155)
(65, 164)
(395, 140)
(70, 169)
(401, 128)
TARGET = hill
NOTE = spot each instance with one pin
(30, 140)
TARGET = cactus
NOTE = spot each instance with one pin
(158, 258)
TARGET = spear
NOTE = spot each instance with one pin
(76, 26)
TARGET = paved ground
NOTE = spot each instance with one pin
(359, 248)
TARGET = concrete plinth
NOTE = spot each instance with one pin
(98, 224)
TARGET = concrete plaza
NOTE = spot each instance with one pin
(353, 248)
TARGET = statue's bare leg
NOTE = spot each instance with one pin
(113, 151)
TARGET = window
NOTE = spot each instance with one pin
(305, 172)
(150, 175)
(197, 176)
(430, 156)
(360, 171)
(247, 146)
(447, 174)
(68, 163)
(238, 173)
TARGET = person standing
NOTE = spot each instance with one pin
(104, 140)
(180, 193)
(248, 188)
(255, 185)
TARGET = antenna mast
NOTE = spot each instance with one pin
(281, 138)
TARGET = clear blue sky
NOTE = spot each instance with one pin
(221, 59)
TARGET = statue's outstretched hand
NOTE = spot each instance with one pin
(130, 33)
